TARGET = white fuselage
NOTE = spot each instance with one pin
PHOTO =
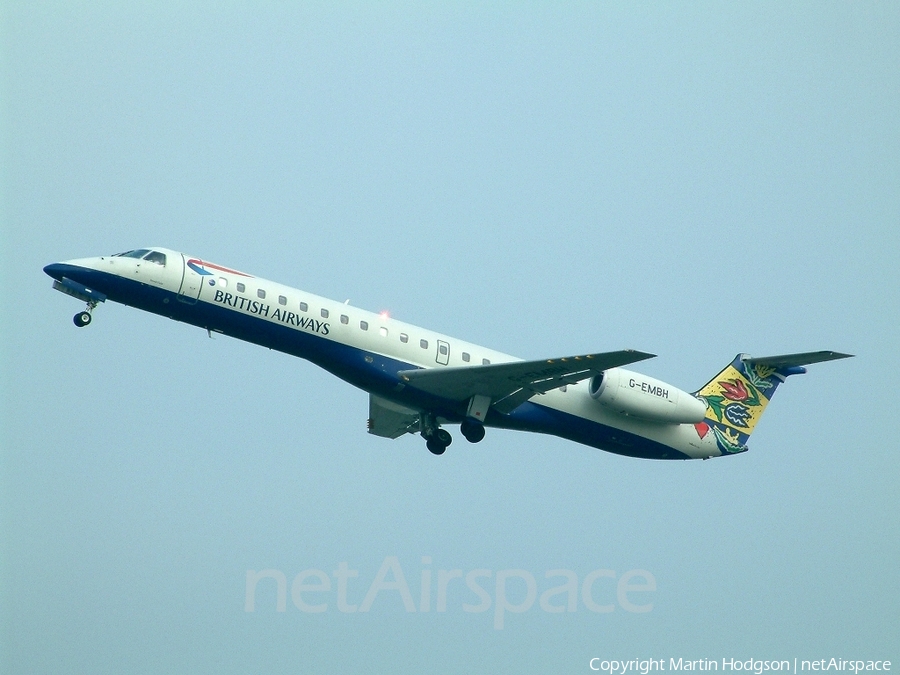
(364, 348)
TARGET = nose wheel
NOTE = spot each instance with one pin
(83, 318)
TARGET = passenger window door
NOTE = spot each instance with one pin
(443, 352)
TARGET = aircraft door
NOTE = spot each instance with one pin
(443, 352)
(191, 281)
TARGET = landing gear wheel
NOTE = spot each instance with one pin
(82, 319)
(472, 431)
(436, 439)
(435, 447)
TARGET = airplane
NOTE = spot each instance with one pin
(419, 380)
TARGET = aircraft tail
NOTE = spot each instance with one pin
(737, 396)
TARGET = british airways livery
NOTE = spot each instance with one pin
(419, 380)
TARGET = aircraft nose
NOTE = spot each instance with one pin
(55, 270)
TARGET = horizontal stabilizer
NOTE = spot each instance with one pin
(788, 360)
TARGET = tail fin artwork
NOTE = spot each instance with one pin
(736, 397)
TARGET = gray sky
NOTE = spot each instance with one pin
(690, 180)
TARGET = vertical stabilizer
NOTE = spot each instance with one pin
(737, 396)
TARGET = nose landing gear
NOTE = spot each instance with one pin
(83, 318)
(90, 296)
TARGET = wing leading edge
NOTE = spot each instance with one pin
(508, 385)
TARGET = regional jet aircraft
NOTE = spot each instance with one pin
(419, 380)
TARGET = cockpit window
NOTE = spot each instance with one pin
(139, 253)
(156, 257)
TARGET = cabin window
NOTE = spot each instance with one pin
(304, 307)
(282, 300)
(563, 388)
(156, 257)
(260, 293)
(404, 338)
(324, 313)
(443, 349)
(423, 344)
(383, 331)
(485, 362)
(223, 282)
(364, 325)
(345, 319)
(240, 287)
(466, 357)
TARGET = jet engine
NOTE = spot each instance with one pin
(634, 394)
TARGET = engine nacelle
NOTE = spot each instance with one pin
(634, 394)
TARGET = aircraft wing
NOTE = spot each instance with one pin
(508, 385)
(389, 420)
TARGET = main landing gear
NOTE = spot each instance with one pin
(83, 318)
(438, 443)
(472, 431)
(437, 439)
